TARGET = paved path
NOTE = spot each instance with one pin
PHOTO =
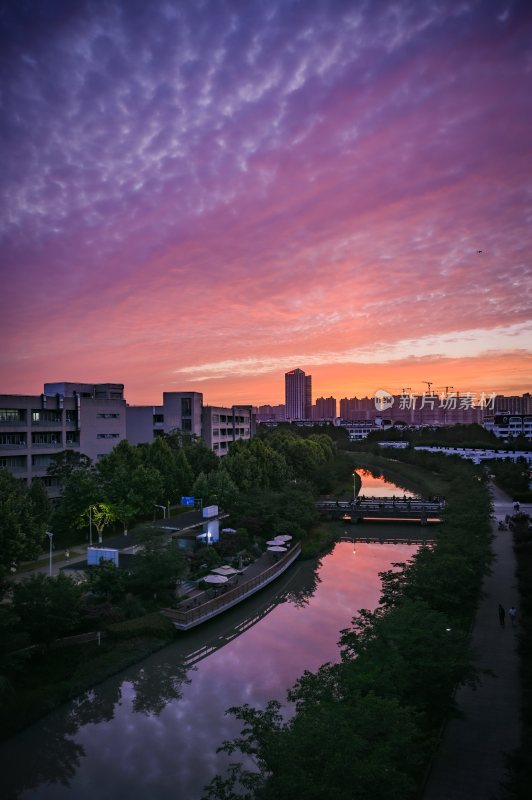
(470, 763)
(120, 541)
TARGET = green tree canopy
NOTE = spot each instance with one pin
(22, 522)
(47, 607)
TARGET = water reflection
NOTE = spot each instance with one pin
(375, 485)
(153, 731)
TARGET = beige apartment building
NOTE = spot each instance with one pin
(86, 418)
(218, 426)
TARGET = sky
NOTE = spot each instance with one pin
(203, 195)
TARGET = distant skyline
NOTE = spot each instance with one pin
(202, 196)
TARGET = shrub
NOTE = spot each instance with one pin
(150, 625)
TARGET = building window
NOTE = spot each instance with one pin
(186, 406)
(42, 462)
(72, 416)
(12, 415)
(108, 436)
(107, 416)
(186, 425)
(43, 416)
(46, 439)
(12, 439)
(158, 419)
(14, 463)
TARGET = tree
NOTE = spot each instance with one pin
(159, 566)
(107, 581)
(254, 463)
(81, 490)
(41, 506)
(63, 464)
(100, 515)
(22, 527)
(47, 607)
(200, 457)
(216, 487)
(368, 742)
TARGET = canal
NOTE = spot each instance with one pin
(153, 730)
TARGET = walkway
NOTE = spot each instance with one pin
(470, 763)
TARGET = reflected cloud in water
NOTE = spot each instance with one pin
(154, 730)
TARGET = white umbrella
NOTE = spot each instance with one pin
(277, 549)
(228, 530)
(283, 538)
(274, 542)
(225, 571)
(215, 579)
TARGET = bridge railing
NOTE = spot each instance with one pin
(196, 610)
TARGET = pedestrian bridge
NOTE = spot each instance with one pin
(384, 509)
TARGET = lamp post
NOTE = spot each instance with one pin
(50, 536)
(354, 487)
(90, 526)
(163, 508)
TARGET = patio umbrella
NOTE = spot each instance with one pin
(215, 579)
(274, 542)
(277, 549)
(283, 538)
(225, 571)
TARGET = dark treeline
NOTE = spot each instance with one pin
(366, 726)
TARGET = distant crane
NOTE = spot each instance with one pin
(408, 389)
(446, 389)
(429, 384)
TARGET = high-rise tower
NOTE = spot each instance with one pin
(298, 394)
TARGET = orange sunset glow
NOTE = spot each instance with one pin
(200, 198)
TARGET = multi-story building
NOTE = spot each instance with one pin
(508, 426)
(184, 411)
(513, 404)
(298, 395)
(351, 407)
(221, 426)
(325, 408)
(85, 418)
(267, 413)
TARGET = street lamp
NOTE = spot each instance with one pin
(50, 536)
(163, 508)
(354, 487)
(90, 526)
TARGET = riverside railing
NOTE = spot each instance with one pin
(196, 611)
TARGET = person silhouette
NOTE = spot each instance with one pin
(502, 615)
